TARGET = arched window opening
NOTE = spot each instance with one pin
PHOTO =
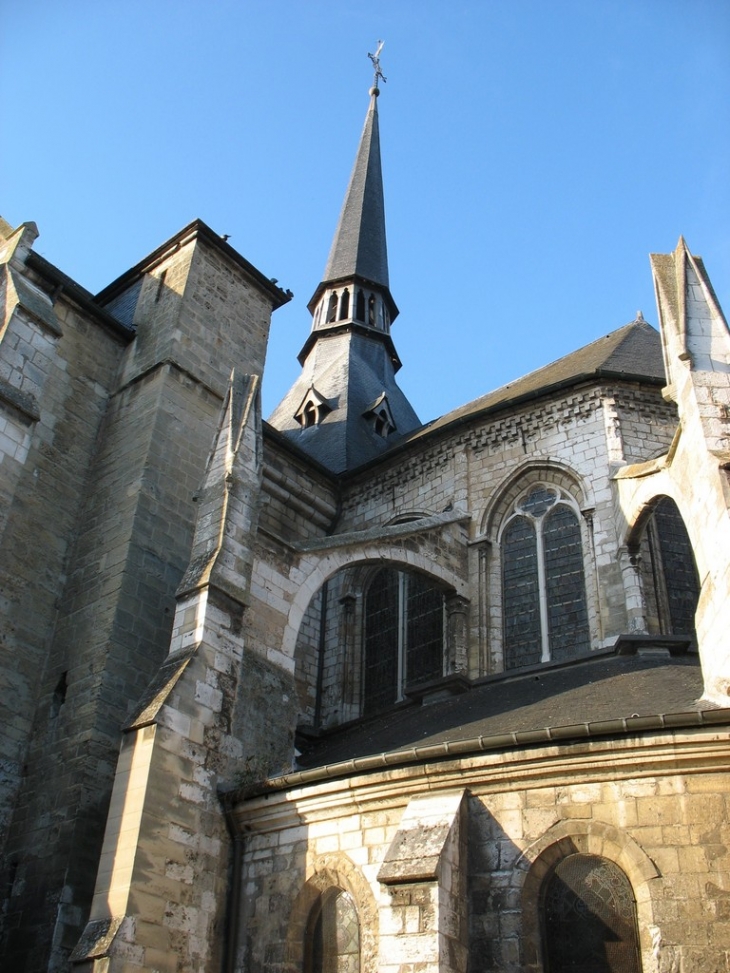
(360, 305)
(332, 941)
(309, 415)
(669, 573)
(345, 305)
(371, 310)
(543, 582)
(382, 424)
(589, 918)
(332, 308)
(403, 638)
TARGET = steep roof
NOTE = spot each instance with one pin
(631, 352)
(359, 248)
(604, 688)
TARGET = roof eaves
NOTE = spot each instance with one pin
(79, 295)
(444, 424)
(517, 740)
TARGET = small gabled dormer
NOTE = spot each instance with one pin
(312, 409)
(380, 416)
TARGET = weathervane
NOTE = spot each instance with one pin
(375, 58)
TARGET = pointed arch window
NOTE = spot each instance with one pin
(589, 918)
(345, 305)
(312, 410)
(543, 583)
(332, 308)
(360, 305)
(403, 637)
(380, 416)
(333, 935)
(371, 310)
(669, 573)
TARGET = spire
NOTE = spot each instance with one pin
(359, 248)
(346, 407)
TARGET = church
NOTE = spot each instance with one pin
(344, 691)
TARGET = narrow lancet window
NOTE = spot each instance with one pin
(371, 310)
(345, 305)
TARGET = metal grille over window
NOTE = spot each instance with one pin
(404, 636)
(335, 936)
(589, 918)
(543, 582)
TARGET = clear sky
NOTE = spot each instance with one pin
(534, 154)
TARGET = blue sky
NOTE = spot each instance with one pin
(534, 154)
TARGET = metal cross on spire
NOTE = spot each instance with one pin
(375, 58)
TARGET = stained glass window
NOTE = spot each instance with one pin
(333, 936)
(543, 585)
(671, 584)
(589, 918)
(404, 636)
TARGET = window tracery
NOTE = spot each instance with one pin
(545, 615)
(589, 917)
(333, 935)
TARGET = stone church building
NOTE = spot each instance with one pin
(341, 691)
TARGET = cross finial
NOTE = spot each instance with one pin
(375, 58)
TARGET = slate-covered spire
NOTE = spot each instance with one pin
(346, 407)
(359, 247)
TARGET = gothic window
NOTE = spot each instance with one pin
(332, 308)
(382, 424)
(403, 638)
(371, 310)
(589, 918)
(669, 574)
(345, 305)
(360, 305)
(333, 935)
(312, 410)
(543, 584)
(309, 415)
(380, 416)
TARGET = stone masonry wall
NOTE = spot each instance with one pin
(583, 433)
(111, 636)
(45, 460)
(117, 609)
(658, 807)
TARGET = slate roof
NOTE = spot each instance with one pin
(350, 370)
(602, 688)
(359, 246)
(631, 352)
